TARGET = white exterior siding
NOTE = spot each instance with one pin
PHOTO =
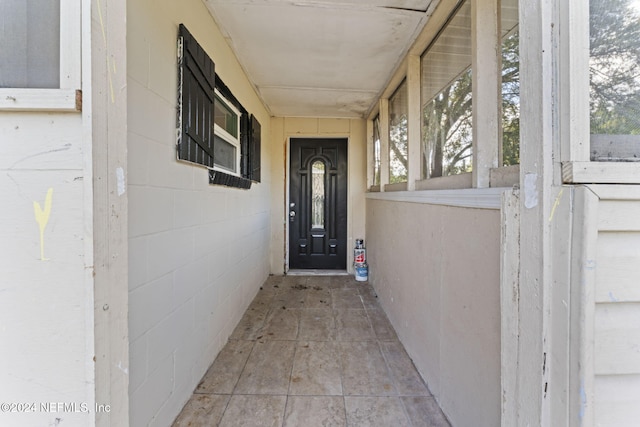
(46, 305)
(197, 253)
(617, 307)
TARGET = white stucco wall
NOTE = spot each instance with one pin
(436, 270)
(46, 305)
(197, 253)
(284, 128)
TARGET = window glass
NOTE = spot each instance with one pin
(510, 83)
(226, 145)
(30, 44)
(317, 194)
(614, 69)
(398, 136)
(376, 151)
(224, 154)
(225, 117)
(446, 99)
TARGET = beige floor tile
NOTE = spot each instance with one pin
(405, 376)
(364, 371)
(250, 325)
(290, 297)
(346, 299)
(268, 369)
(317, 297)
(369, 298)
(353, 325)
(202, 410)
(329, 358)
(317, 324)
(423, 411)
(375, 412)
(225, 371)
(316, 369)
(254, 411)
(315, 411)
(281, 324)
(381, 325)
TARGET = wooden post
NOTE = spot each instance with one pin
(486, 78)
(536, 179)
(414, 121)
(384, 142)
(106, 82)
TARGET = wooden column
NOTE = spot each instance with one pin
(105, 94)
(384, 142)
(414, 122)
(486, 80)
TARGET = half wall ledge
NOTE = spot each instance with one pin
(479, 198)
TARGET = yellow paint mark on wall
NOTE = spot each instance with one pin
(555, 205)
(42, 218)
(109, 59)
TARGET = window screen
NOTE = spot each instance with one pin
(447, 135)
(614, 67)
(30, 44)
(398, 135)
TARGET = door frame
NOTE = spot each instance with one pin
(287, 189)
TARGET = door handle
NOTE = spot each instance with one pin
(292, 215)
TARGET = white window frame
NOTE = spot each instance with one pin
(68, 96)
(227, 137)
(573, 85)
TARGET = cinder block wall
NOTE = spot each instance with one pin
(197, 253)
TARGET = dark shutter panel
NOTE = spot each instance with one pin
(254, 149)
(197, 75)
(245, 131)
(221, 178)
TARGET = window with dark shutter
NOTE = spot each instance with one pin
(196, 98)
(214, 129)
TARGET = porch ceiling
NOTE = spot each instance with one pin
(327, 58)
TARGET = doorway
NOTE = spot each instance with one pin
(318, 203)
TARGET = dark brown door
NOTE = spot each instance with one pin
(318, 204)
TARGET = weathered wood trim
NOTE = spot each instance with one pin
(509, 304)
(505, 176)
(384, 143)
(615, 148)
(450, 182)
(370, 159)
(583, 283)
(414, 123)
(486, 76)
(485, 198)
(70, 44)
(398, 186)
(573, 83)
(600, 173)
(59, 100)
(616, 192)
(537, 130)
(108, 104)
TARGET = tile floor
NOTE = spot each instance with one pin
(313, 351)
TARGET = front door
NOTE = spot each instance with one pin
(318, 204)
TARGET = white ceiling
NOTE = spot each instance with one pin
(329, 58)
